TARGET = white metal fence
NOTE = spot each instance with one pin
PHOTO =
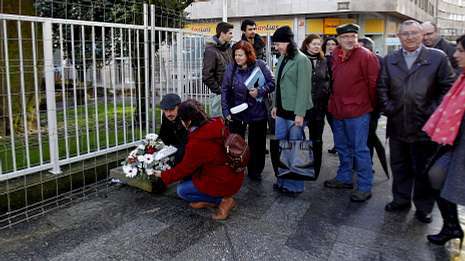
(74, 90)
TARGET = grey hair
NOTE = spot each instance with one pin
(410, 22)
(432, 24)
(367, 42)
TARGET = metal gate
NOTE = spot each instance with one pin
(77, 90)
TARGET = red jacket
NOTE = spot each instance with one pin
(354, 83)
(205, 160)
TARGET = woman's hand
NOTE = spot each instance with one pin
(299, 121)
(273, 113)
(157, 173)
(253, 92)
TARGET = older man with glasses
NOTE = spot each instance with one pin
(412, 83)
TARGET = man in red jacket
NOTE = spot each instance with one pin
(355, 72)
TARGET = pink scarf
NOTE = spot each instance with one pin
(444, 124)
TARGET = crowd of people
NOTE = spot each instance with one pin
(420, 88)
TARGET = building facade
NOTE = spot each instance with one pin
(377, 19)
(450, 18)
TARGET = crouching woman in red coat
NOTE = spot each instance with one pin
(206, 180)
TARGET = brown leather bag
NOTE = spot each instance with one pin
(237, 151)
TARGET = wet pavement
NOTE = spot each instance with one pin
(319, 224)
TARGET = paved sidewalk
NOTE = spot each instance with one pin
(320, 224)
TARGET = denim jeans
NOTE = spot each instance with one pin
(282, 127)
(351, 136)
(187, 191)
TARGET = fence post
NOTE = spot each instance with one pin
(179, 60)
(50, 94)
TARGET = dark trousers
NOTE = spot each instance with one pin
(408, 162)
(316, 126)
(257, 143)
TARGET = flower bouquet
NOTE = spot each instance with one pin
(149, 156)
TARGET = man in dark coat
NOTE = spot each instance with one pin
(249, 28)
(432, 39)
(217, 55)
(412, 83)
(172, 132)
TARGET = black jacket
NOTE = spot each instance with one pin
(320, 83)
(449, 49)
(258, 46)
(215, 59)
(409, 97)
(173, 133)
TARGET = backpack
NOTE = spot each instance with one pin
(237, 151)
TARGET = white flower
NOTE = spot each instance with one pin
(141, 158)
(130, 171)
(149, 171)
(148, 158)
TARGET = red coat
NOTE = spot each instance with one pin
(205, 160)
(354, 83)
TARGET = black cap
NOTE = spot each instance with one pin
(283, 35)
(170, 101)
(347, 28)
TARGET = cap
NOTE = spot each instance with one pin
(347, 28)
(170, 101)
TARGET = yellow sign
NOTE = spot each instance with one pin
(206, 28)
(330, 24)
(374, 26)
(269, 26)
(315, 26)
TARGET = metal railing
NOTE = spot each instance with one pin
(74, 90)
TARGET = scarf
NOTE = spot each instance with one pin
(444, 124)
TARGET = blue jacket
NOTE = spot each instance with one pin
(234, 92)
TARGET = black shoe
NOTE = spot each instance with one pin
(423, 216)
(396, 207)
(447, 233)
(334, 183)
(332, 150)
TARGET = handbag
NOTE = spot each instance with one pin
(296, 158)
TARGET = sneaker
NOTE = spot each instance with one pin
(334, 183)
(359, 196)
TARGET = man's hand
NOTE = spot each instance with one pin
(299, 121)
(229, 118)
(273, 113)
(253, 92)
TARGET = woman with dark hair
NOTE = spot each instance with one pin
(311, 47)
(234, 92)
(293, 97)
(207, 181)
(329, 44)
(446, 126)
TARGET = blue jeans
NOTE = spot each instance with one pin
(187, 191)
(282, 127)
(350, 137)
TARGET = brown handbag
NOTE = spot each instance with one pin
(237, 151)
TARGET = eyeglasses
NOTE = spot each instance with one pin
(409, 34)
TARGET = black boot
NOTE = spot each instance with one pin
(451, 228)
